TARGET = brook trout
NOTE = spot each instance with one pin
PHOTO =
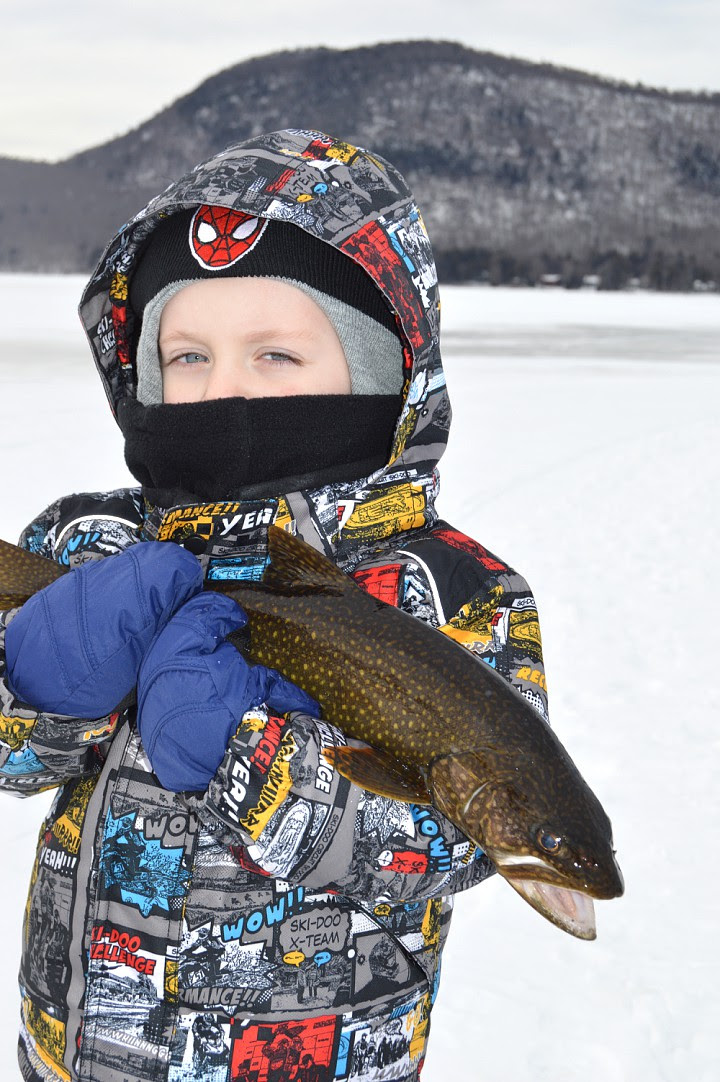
(443, 727)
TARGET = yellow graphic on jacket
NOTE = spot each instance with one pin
(273, 791)
(67, 828)
(524, 633)
(404, 431)
(430, 926)
(119, 287)
(473, 625)
(183, 522)
(532, 676)
(252, 721)
(226, 517)
(102, 730)
(14, 731)
(417, 1024)
(48, 1034)
(344, 152)
(171, 982)
(391, 511)
(283, 515)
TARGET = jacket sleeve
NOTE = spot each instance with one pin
(296, 818)
(481, 602)
(39, 750)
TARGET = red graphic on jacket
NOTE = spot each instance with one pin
(220, 237)
(279, 183)
(463, 543)
(318, 148)
(372, 248)
(283, 1051)
(118, 315)
(404, 861)
(381, 582)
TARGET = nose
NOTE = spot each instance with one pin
(229, 379)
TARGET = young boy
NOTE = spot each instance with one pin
(210, 899)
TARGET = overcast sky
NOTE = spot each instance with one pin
(75, 73)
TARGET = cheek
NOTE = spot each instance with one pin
(176, 389)
(329, 372)
(335, 376)
(329, 377)
(170, 389)
(343, 380)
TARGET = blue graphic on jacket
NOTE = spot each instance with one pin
(35, 538)
(239, 568)
(144, 872)
(22, 762)
(79, 542)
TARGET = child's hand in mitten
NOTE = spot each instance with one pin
(194, 688)
(75, 647)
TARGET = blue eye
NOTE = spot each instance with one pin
(278, 357)
(548, 841)
(192, 358)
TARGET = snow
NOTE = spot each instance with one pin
(585, 451)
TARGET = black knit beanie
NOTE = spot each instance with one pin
(213, 242)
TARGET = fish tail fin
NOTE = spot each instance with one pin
(23, 573)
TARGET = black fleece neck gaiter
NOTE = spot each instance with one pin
(232, 448)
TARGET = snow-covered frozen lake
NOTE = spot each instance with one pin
(585, 450)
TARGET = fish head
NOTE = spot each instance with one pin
(551, 842)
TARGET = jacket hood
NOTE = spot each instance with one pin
(341, 194)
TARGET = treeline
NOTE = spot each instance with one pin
(655, 269)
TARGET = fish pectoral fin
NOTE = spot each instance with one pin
(297, 569)
(23, 573)
(380, 773)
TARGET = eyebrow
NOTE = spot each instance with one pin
(302, 333)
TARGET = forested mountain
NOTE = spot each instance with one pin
(521, 170)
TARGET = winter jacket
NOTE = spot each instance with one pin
(285, 913)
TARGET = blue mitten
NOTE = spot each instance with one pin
(194, 688)
(75, 647)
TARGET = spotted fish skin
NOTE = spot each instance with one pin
(444, 727)
(23, 573)
(448, 728)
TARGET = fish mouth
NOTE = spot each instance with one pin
(570, 910)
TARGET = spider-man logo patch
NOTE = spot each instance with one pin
(219, 237)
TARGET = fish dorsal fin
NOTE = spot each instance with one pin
(23, 573)
(296, 568)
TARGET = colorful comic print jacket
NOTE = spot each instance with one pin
(285, 924)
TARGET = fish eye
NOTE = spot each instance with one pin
(548, 840)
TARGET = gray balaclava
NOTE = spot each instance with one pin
(373, 353)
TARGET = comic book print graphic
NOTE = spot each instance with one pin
(48, 912)
(139, 863)
(309, 899)
(127, 974)
(284, 1052)
(229, 537)
(377, 1050)
(43, 1039)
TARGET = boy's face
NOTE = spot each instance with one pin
(249, 338)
